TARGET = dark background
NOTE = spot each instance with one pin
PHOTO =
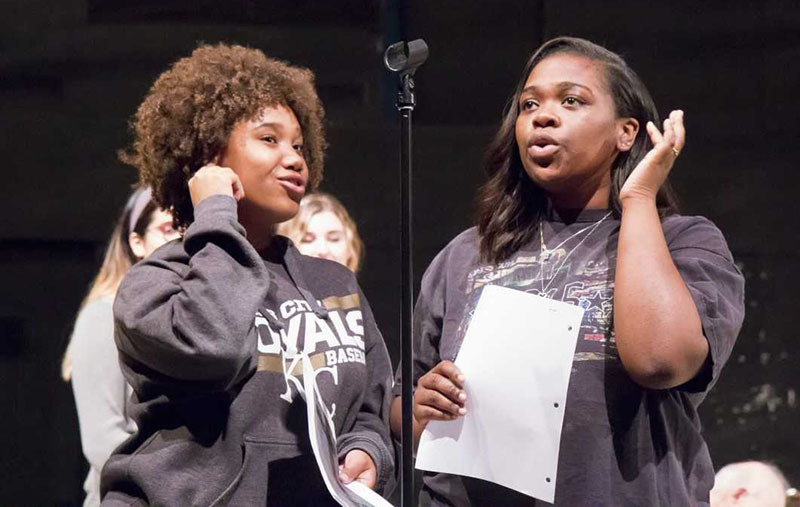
(73, 71)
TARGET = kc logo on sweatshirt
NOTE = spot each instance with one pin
(326, 342)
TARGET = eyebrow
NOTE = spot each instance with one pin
(563, 85)
(276, 126)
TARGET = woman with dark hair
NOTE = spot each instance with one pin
(90, 361)
(576, 208)
(215, 331)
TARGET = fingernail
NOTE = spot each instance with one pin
(460, 377)
(462, 396)
(462, 411)
(343, 477)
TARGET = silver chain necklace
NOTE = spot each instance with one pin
(544, 254)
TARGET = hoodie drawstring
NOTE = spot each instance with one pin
(274, 323)
(296, 274)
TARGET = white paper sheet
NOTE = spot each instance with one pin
(517, 359)
(323, 442)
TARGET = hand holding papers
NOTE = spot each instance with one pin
(440, 394)
(516, 358)
(323, 442)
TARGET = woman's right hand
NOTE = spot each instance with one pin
(440, 394)
(212, 179)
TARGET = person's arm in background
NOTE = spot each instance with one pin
(98, 384)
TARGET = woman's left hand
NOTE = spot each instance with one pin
(646, 178)
(358, 466)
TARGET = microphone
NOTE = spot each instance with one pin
(405, 57)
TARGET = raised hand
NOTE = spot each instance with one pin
(647, 177)
(440, 394)
(212, 179)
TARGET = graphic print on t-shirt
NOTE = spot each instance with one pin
(294, 329)
(591, 287)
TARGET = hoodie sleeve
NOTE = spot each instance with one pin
(186, 312)
(371, 430)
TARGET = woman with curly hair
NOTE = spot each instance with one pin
(210, 329)
(576, 208)
(323, 228)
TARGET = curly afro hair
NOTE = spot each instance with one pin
(187, 117)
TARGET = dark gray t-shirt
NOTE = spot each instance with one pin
(621, 444)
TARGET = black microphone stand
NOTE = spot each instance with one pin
(405, 58)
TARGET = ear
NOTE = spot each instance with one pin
(627, 128)
(136, 242)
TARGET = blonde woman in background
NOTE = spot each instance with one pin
(91, 362)
(323, 228)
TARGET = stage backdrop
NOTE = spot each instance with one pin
(73, 71)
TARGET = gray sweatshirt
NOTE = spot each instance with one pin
(207, 330)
